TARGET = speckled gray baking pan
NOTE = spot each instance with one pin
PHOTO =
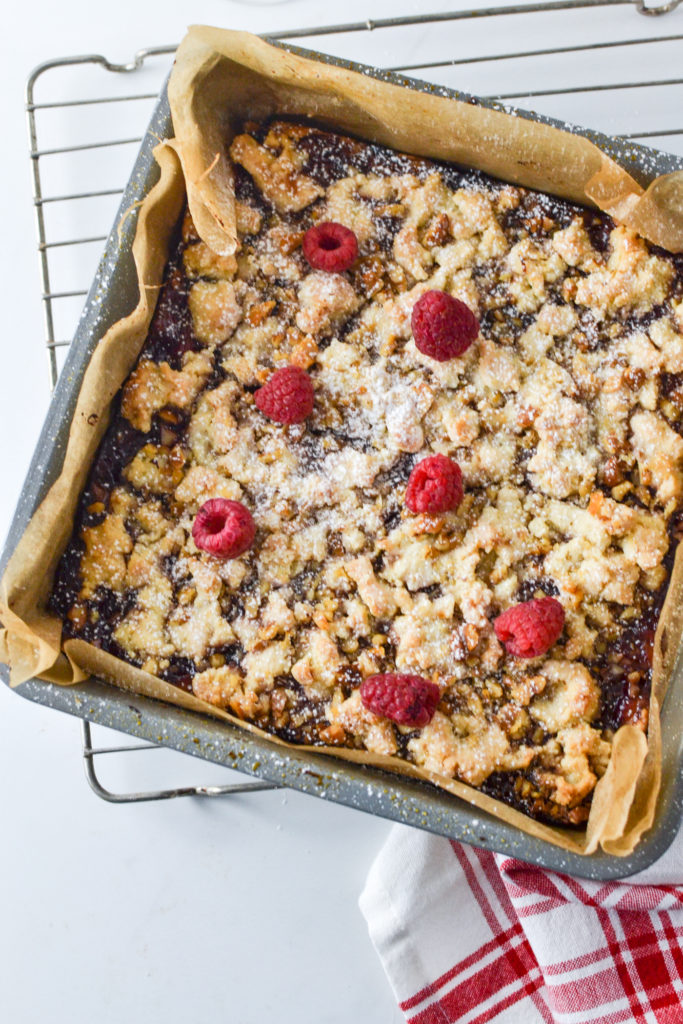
(113, 295)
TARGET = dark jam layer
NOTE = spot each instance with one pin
(622, 668)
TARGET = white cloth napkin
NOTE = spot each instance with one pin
(469, 936)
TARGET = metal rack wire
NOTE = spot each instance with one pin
(592, 28)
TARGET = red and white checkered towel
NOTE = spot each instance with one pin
(469, 936)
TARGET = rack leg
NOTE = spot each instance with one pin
(90, 752)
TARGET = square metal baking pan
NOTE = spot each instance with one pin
(112, 295)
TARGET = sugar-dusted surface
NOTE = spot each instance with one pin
(563, 416)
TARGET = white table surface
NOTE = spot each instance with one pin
(242, 909)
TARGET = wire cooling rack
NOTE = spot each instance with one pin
(90, 133)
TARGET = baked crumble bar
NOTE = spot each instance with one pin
(565, 417)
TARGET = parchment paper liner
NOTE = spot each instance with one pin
(219, 79)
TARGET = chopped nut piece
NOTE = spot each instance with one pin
(156, 469)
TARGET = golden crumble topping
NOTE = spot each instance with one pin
(565, 417)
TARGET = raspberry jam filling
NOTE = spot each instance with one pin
(419, 571)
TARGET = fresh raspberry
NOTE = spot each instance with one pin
(287, 396)
(408, 700)
(435, 485)
(223, 528)
(531, 628)
(443, 327)
(330, 246)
